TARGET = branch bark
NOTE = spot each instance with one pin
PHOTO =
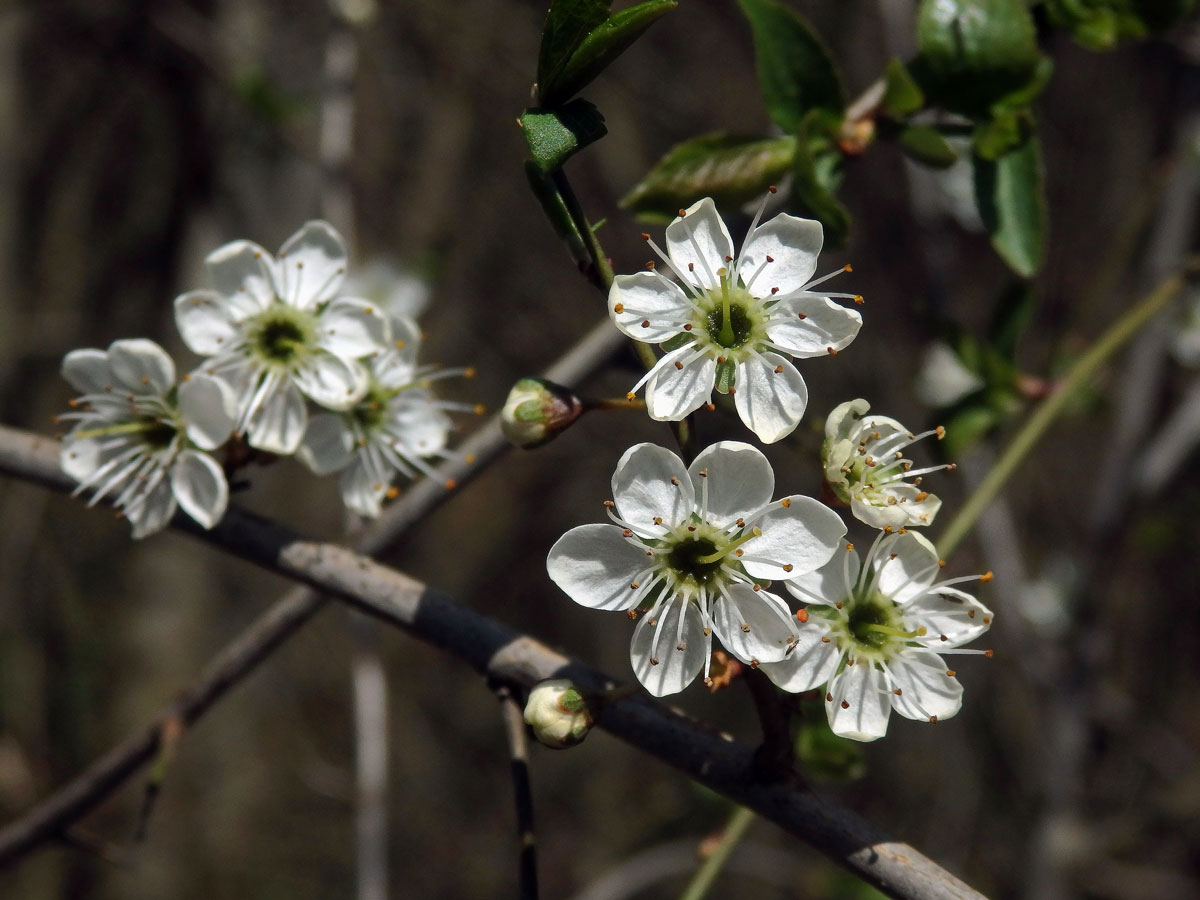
(499, 652)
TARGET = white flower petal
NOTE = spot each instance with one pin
(672, 394)
(668, 653)
(908, 567)
(198, 483)
(398, 365)
(942, 379)
(863, 689)
(312, 265)
(753, 625)
(811, 663)
(595, 566)
(829, 585)
(243, 273)
(643, 489)
(771, 396)
(208, 406)
(842, 423)
(353, 328)
(805, 534)
(331, 381)
(950, 612)
(208, 322)
(647, 297)
(825, 325)
(88, 371)
(80, 457)
(278, 425)
(925, 688)
(419, 427)
(154, 512)
(140, 366)
(362, 490)
(793, 245)
(906, 511)
(328, 444)
(699, 238)
(739, 480)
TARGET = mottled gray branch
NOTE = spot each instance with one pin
(499, 652)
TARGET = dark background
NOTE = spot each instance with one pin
(138, 136)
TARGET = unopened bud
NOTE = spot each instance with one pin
(536, 411)
(558, 714)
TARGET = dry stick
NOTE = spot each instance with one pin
(27, 454)
(518, 749)
(502, 654)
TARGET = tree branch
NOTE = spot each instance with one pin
(498, 652)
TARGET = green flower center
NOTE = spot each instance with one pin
(693, 562)
(371, 412)
(282, 334)
(864, 618)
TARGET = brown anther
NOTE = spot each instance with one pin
(728, 259)
(987, 576)
(393, 492)
(859, 299)
(674, 481)
(645, 323)
(825, 639)
(691, 267)
(845, 704)
(626, 533)
(770, 259)
(847, 268)
(941, 564)
(738, 552)
(757, 588)
(691, 528)
(839, 604)
(645, 237)
(704, 473)
(988, 653)
(933, 720)
(741, 523)
(951, 467)
(654, 660)
(745, 628)
(950, 672)
(940, 432)
(687, 327)
(451, 484)
(608, 504)
(732, 391)
(943, 637)
(832, 352)
(902, 530)
(650, 264)
(893, 555)
(785, 502)
(921, 497)
(802, 616)
(619, 308)
(898, 692)
(801, 315)
(871, 462)
(682, 213)
(787, 567)
(678, 365)
(720, 360)
(658, 520)
(634, 585)
(633, 614)
(774, 291)
(771, 188)
(970, 613)
(849, 546)
(987, 620)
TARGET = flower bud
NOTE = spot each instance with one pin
(536, 411)
(558, 714)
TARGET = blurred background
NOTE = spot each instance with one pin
(135, 137)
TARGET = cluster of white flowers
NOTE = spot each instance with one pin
(277, 334)
(700, 551)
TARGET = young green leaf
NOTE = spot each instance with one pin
(556, 211)
(973, 52)
(1011, 204)
(568, 23)
(555, 135)
(926, 145)
(731, 170)
(901, 95)
(796, 73)
(603, 44)
(815, 177)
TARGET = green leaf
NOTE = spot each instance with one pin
(926, 145)
(602, 46)
(554, 136)
(901, 94)
(973, 52)
(1103, 24)
(795, 70)
(967, 425)
(815, 175)
(1012, 314)
(730, 169)
(997, 136)
(556, 211)
(568, 23)
(1009, 193)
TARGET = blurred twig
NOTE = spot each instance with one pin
(735, 829)
(518, 749)
(504, 655)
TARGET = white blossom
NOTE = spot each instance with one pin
(942, 378)
(139, 439)
(876, 636)
(865, 466)
(277, 330)
(557, 713)
(393, 430)
(733, 324)
(690, 548)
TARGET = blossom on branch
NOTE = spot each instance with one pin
(733, 324)
(690, 549)
(277, 331)
(876, 635)
(139, 439)
(864, 463)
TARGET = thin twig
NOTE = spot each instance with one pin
(501, 653)
(735, 829)
(518, 750)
